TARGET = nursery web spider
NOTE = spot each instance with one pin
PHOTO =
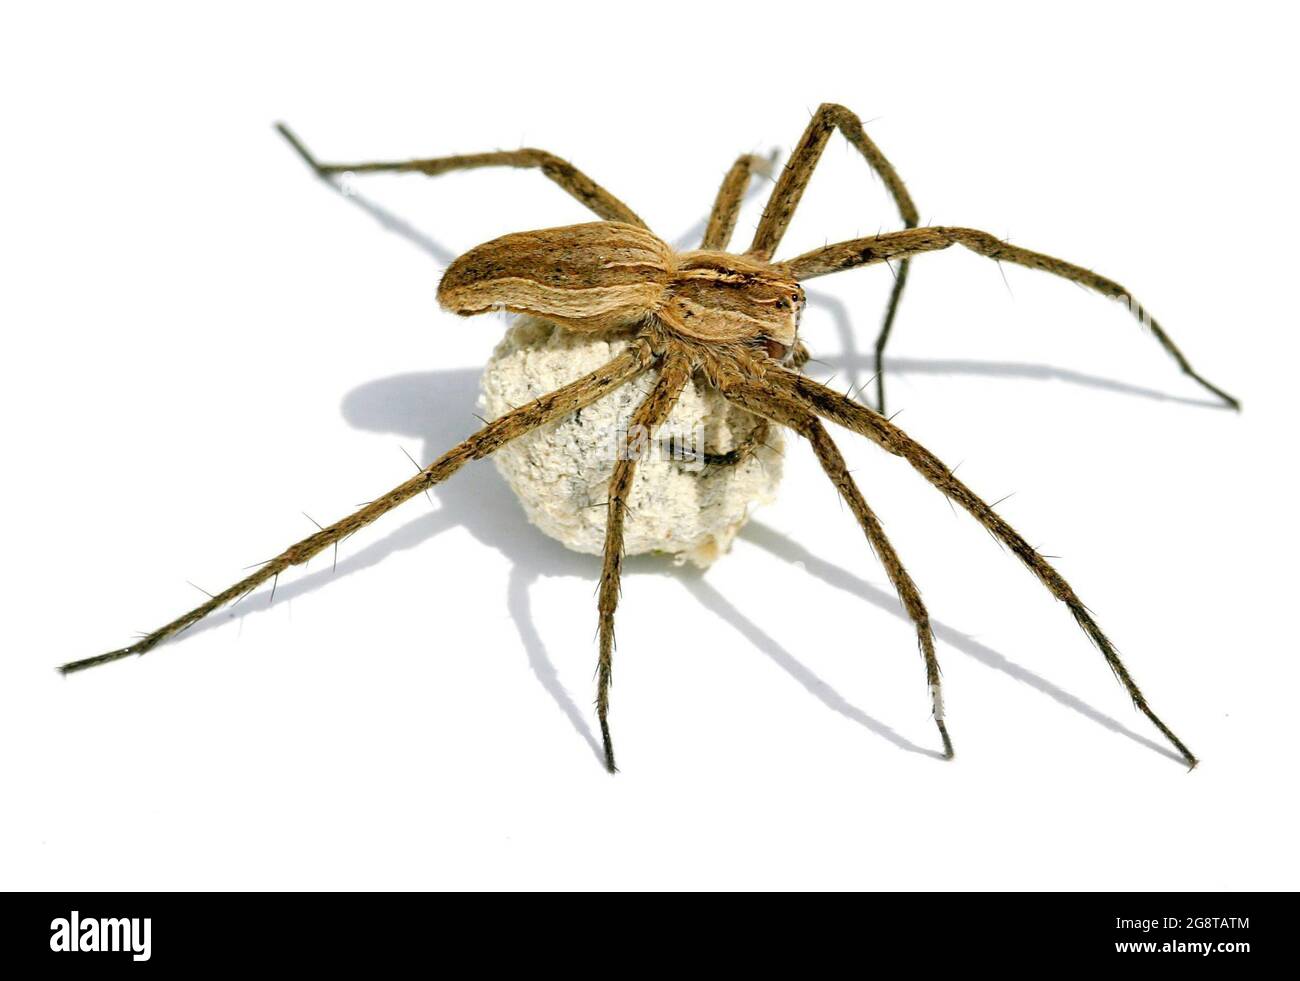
(730, 318)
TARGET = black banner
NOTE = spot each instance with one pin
(142, 932)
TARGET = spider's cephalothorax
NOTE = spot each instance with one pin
(733, 316)
(604, 275)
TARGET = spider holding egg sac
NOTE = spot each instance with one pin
(708, 325)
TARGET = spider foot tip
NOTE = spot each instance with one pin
(948, 752)
(302, 151)
(607, 744)
(72, 667)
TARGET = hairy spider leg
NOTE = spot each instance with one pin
(726, 206)
(900, 245)
(486, 441)
(828, 455)
(570, 178)
(785, 392)
(794, 180)
(649, 415)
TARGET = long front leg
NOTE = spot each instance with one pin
(798, 172)
(900, 245)
(487, 440)
(674, 372)
(563, 173)
(790, 392)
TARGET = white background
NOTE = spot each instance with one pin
(202, 342)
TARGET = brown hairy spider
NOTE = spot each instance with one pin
(731, 319)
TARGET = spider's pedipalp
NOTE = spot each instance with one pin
(901, 245)
(782, 392)
(487, 440)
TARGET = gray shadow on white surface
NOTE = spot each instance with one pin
(390, 222)
(791, 551)
(855, 367)
(715, 602)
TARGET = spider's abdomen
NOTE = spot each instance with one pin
(594, 276)
(680, 504)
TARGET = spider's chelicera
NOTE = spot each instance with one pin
(726, 318)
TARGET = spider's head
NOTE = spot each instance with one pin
(589, 277)
(724, 298)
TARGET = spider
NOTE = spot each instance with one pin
(730, 319)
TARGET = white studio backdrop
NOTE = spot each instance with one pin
(203, 343)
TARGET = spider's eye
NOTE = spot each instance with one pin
(780, 337)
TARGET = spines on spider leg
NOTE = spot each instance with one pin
(909, 595)
(674, 372)
(611, 584)
(1084, 618)
(799, 170)
(785, 410)
(564, 174)
(486, 441)
(899, 245)
(994, 248)
(726, 206)
(831, 405)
